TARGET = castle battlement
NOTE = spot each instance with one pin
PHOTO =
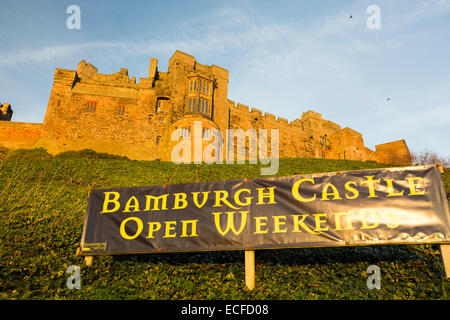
(113, 113)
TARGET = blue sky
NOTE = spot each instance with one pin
(284, 57)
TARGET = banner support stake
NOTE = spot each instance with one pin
(445, 255)
(250, 269)
(88, 260)
(445, 249)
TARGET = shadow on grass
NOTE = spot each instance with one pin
(303, 256)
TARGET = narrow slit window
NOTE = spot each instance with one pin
(206, 133)
(91, 106)
(121, 110)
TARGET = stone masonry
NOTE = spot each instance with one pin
(114, 113)
(6, 112)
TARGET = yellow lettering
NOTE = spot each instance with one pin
(319, 221)
(413, 186)
(156, 202)
(195, 198)
(365, 224)
(108, 200)
(230, 222)
(395, 220)
(221, 196)
(370, 182)
(124, 234)
(337, 218)
(262, 195)
(152, 228)
(298, 222)
(297, 195)
(278, 223)
(248, 199)
(335, 192)
(352, 190)
(184, 224)
(135, 205)
(180, 197)
(170, 226)
(260, 224)
(391, 191)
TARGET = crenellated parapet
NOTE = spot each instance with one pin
(6, 112)
(116, 114)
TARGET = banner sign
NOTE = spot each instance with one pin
(381, 206)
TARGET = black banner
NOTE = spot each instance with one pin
(380, 206)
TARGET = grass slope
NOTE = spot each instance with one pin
(42, 209)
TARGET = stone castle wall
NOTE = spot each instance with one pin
(116, 114)
(19, 135)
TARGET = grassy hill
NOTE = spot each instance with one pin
(42, 207)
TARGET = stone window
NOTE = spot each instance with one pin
(121, 109)
(199, 98)
(323, 154)
(185, 132)
(91, 106)
(158, 140)
(162, 104)
(324, 140)
(206, 133)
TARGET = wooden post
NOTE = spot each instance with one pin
(445, 255)
(88, 260)
(445, 248)
(250, 269)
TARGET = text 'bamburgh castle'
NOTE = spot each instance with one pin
(113, 113)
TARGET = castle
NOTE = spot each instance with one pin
(114, 113)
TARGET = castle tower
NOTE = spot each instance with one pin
(116, 114)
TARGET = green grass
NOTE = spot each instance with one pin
(42, 209)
